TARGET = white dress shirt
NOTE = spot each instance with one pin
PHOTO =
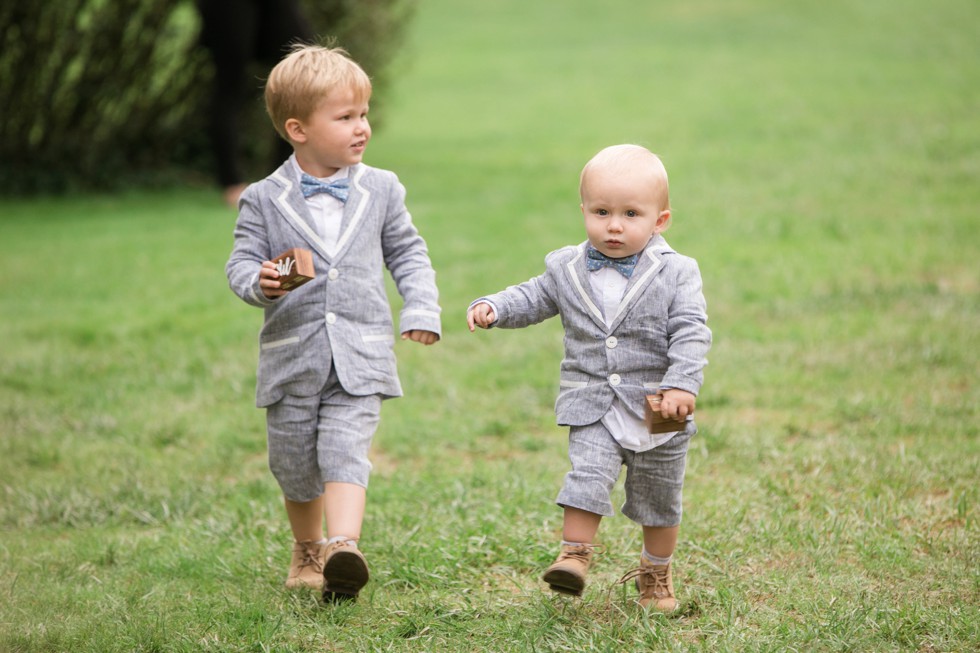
(327, 212)
(628, 430)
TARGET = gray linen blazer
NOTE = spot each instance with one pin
(342, 317)
(658, 337)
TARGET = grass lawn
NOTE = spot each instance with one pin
(824, 162)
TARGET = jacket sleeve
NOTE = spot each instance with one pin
(526, 303)
(688, 335)
(250, 249)
(407, 258)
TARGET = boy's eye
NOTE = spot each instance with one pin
(631, 214)
(601, 212)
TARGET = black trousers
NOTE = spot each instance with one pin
(239, 34)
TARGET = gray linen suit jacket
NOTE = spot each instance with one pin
(658, 337)
(342, 317)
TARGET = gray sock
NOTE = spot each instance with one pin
(654, 560)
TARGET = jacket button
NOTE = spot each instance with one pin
(611, 342)
(614, 379)
(331, 318)
(333, 274)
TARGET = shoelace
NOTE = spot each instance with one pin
(656, 579)
(311, 558)
(582, 552)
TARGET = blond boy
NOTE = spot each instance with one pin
(326, 353)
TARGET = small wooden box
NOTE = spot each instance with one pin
(295, 267)
(655, 421)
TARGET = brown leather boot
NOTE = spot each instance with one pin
(656, 586)
(306, 566)
(345, 571)
(567, 573)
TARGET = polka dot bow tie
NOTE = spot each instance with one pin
(596, 260)
(338, 188)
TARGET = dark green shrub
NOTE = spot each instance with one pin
(94, 93)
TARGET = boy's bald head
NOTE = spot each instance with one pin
(630, 160)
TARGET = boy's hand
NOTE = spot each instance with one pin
(676, 404)
(480, 315)
(269, 280)
(425, 337)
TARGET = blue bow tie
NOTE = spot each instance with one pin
(596, 260)
(338, 188)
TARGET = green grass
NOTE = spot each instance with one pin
(824, 160)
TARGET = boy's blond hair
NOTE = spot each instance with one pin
(307, 75)
(628, 157)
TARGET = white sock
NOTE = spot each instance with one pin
(341, 538)
(567, 543)
(654, 560)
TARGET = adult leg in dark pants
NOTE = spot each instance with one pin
(238, 34)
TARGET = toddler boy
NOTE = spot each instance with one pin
(635, 324)
(326, 358)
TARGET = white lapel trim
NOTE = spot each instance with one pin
(294, 217)
(581, 289)
(365, 197)
(640, 283)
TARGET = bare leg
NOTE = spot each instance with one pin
(306, 519)
(567, 574)
(660, 541)
(343, 505)
(580, 525)
(344, 571)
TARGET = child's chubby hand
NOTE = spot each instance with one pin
(418, 335)
(677, 404)
(269, 280)
(480, 315)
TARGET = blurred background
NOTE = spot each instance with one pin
(101, 93)
(823, 157)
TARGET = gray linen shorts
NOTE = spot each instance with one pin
(654, 478)
(321, 439)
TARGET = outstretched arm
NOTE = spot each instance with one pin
(480, 315)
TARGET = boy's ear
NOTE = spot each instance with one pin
(663, 220)
(294, 130)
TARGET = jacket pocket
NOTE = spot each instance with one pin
(294, 362)
(377, 355)
(386, 337)
(281, 342)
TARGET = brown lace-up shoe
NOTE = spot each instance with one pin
(567, 573)
(306, 566)
(345, 571)
(655, 584)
